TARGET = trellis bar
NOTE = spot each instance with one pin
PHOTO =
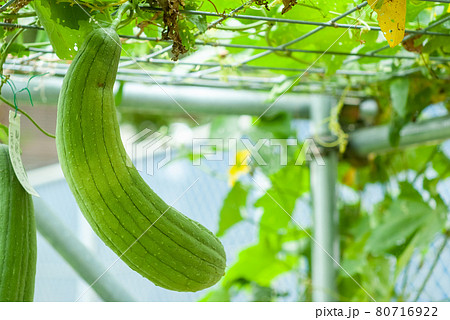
(311, 87)
(325, 244)
(160, 99)
(376, 139)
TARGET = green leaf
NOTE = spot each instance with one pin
(424, 237)
(274, 216)
(199, 20)
(395, 127)
(402, 220)
(278, 124)
(441, 164)
(65, 24)
(399, 95)
(234, 203)
(408, 192)
(259, 264)
(278, 203)
(414, 7)
(219, 295)
(18, 50)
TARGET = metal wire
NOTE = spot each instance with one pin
(7, 5)
(21, 26)
(282, 48)
(291, 21)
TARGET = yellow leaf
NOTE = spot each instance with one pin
(240, 168)
(448, 9)
(391, 19)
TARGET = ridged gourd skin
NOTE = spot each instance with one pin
(17, 236)
(176, 252)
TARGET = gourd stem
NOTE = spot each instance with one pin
(123, 8)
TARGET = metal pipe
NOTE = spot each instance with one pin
(80, 258)
(160, 99)
(209, 101)
(141, 75)
(376, 139)
(325, 247)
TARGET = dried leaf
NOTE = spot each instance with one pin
(411, 46)
(288, 4)
(171, 28)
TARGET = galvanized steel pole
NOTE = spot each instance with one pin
(325, 244)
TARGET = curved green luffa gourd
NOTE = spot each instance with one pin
(153, 238)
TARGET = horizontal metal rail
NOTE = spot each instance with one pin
(159, 99)
(145, 76)
(376, 139)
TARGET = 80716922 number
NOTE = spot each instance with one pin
(409, 311)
